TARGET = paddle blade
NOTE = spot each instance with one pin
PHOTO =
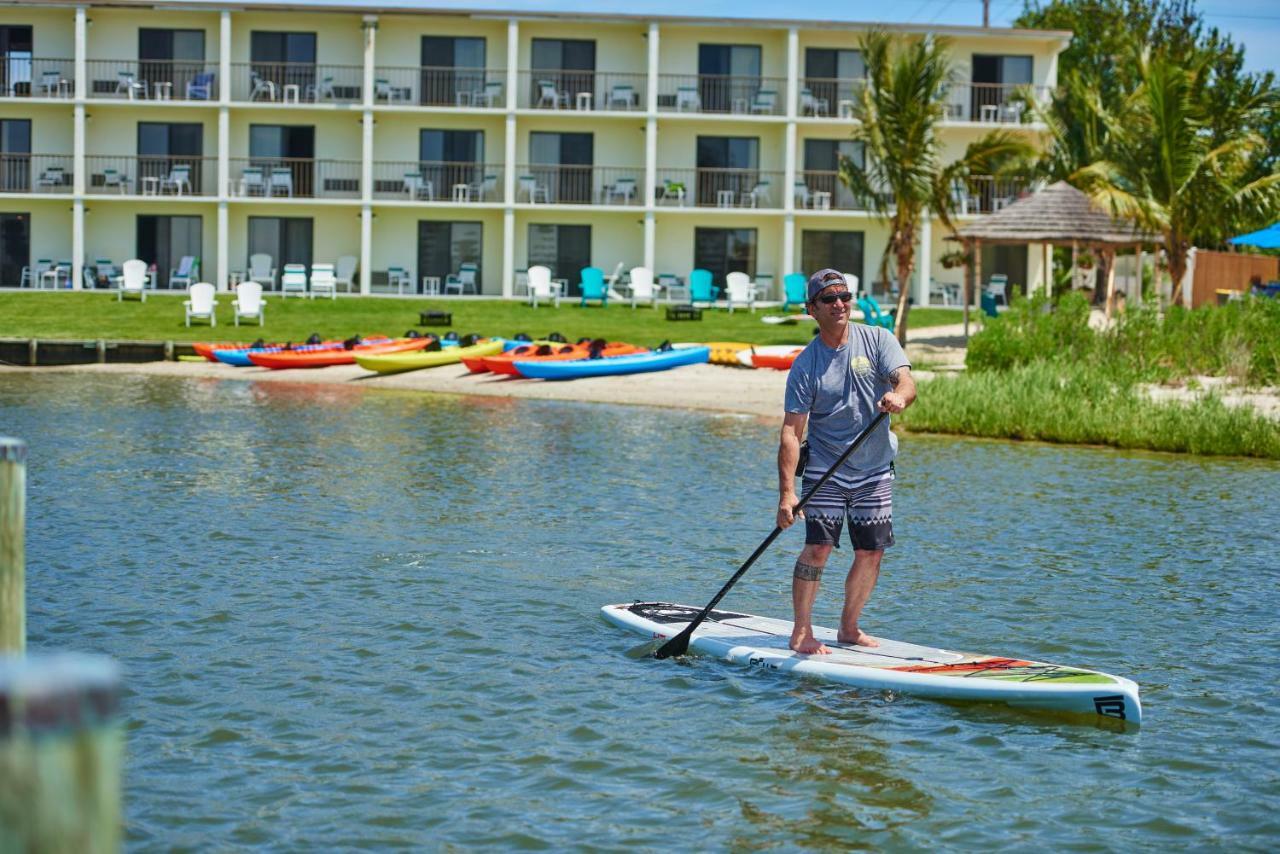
(678, 645)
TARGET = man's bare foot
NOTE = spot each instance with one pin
(803, 642)
(859, 638)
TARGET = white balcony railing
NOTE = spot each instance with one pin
(24, 76)
(36, 173)
(722, 93)
(436, 181)
(151, 175)
(720, 188)
(612, 91)
(538, 183)
(293, 178)
(152, 79)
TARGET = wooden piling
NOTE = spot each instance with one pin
(13, 499)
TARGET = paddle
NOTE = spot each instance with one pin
(679, 644)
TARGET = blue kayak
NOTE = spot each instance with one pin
(658, 360)
(240, 355)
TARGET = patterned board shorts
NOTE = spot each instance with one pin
(868, 504)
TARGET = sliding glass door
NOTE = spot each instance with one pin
(443, 247)
(286, 239)
(163, 241)
(15, 247)
(453, 70)
(565, 249)
(725, 250)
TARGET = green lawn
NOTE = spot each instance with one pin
(98, 315)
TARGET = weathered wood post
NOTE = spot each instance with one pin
(13, 499)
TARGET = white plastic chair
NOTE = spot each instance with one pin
(179, 176)
(293, 280)
(345, 272)
(187, 271)
(623, 188)
(804, 198)
(811, 105)
(282, 177)
(996, 286)
(249, 302)
(399, 278)
(541, 286)
(463, 279)
(530, 186)
(687, 99)
(112, 179)
(642, 287)
(132, 280)
(417, 186)
(200, 303)
(323, 281)
(261, 86)
(740, 290)
(548, 94)
(260, 269)
(127, 82)
(621, 96)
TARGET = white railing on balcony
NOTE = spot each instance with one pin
(152, 79)
(151, 175)
(437, 181)
(829, 96)
(822, 190)
(36, 173)
(538, 183)
(981, 194)
(428, 86)
(720, 188)
(611, 91)
(293, 178)
(23, 76)
(990, 103)
(722, 93)
(297, 83)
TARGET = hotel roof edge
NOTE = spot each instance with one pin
(408, 7)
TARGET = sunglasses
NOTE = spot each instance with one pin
(828, 299)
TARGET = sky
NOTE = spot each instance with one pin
(1253, 23)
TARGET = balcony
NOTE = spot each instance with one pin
(432, 181)
(830, 96)
(720, 188)
(821, 190)
(609, 91)
(293, 178)
(27, 77)
(983, 194)
(620, 186)
(296, 83)
(36, 173)
(715, 93)
(993, 103)
(152, 79)
(155, 175)
(441, 87)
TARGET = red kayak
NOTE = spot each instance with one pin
(777, 361)
(206, 348)
(324, 358)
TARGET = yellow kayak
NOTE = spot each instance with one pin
(725, 352)
(389, 363)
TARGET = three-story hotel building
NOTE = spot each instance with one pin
(413, 141)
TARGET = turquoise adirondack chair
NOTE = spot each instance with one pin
(701, 289)
(873, 316)
(794, 287)
(593, 286)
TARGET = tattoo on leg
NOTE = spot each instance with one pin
(807, 571)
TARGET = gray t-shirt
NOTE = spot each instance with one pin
(839, 390)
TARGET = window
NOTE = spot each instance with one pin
(726, 165)
(163, 241)
(566, 160)
(290, 147)
(569, 64)
(451, 66)
(15, 247)
(284, 58)
(15, 155)
(822, 167)
(840, 250)
(450, 157)
(170, 56)
(443, 247)
(832, 75)
(725, 250)
(728, 76)
(286, 239)
(565, 249)
(15, 60)
(994, 78)
(165, 145)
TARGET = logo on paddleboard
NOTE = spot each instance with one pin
(1110, 707)
(860, 365)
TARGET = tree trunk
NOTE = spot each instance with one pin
(1177, 252)
(906, 259)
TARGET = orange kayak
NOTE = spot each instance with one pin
(504, 363)
(206, 348)
(777, 361)
(325, 358)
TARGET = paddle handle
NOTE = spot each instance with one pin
(679, 644)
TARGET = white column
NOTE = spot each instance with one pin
(223, 236)
(370, 26)
(508, 253)
(651, 152)
(924, 259)
(77, 159)
(509, 162)
(789, 167)
(788, 248)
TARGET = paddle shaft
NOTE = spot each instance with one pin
(679, 644)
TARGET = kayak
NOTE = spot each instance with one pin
(776, 356)
(393, 362)
(905, 668)
(725, 352)
(505, 363)
(657, 360)
(206, 348)
(324, 358)
(476, 364)
(239, 356)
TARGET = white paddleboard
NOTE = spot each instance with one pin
(894, 666)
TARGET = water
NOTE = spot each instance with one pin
(353, 618)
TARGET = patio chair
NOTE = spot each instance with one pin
(996, 287)
(260, 85)
(530, 186)
(740, 290)
(549, 95)
(592, 284)
(701, 289)
(252, 182)
(486, 186)
(382, 89)
(200, 87)
(489, 96)
(810, 105)
(322, 91)
(188, 270)
(345, 272)
(417, 186)
(179, 176)
(200, 303)
(624, 188)
(260, 269)
(765, 102)
(670, 284)
(51, 83)
(541, 287)
(132, 280)
(621, 96)
(54, 273)
(873, 316)
(960, 197)
(804, 197)
(31, 275)
(687, 100)
(112, 179)
(293, 280)
(249, 303)
(758, 195)
(323, 281)
(128, 83)
(51, 178)
(399, 278)
(282, 178)
(105, 272)
(642, 287)
(463, 279)
(794, 290)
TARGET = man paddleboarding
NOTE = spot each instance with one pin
(847, 373)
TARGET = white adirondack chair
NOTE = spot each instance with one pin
(642, 286)
(200, 303)
(541, 286)
(260, 269)
(740, 290)
(345, 272)
(133, 280)
(249, 302)
(323, 281)
(294, 279)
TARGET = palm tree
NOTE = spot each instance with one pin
(900, 110)
(1168, 170)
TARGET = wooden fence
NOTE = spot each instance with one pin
(1229, 271)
